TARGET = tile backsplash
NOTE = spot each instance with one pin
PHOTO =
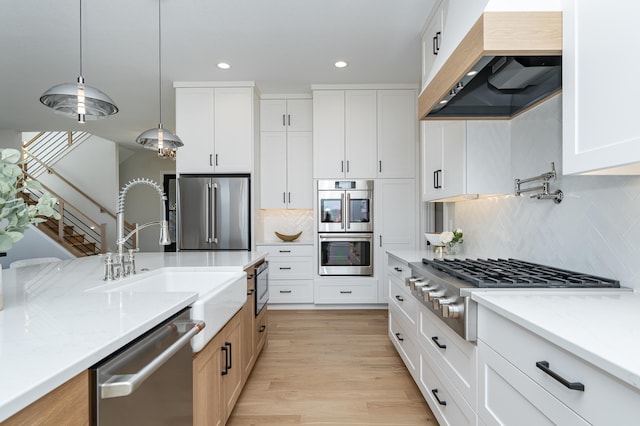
(285, 222)
(595, 229)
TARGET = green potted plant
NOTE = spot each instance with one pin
(15, 214)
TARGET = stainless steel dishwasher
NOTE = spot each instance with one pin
(149, 381)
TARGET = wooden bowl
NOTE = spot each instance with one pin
(285, 237)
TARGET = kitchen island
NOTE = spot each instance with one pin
(53, 326)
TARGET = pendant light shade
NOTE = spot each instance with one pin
(160, 139)
(78, 100)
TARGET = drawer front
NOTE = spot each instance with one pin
(525, 349)
(508, 397)
(404, 341)
(291, 291)
(398, 269)
(261, 331)
(295, 268)
(355, 293)
(455, 356)
(287, 250)
(406, 304)
(445, 402)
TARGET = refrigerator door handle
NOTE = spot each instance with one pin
(214, 216)
(208, 215)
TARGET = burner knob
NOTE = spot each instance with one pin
(411, 282)
(434, 294)
(439, 302)
(452, 310)
(425, 292)
(419, 285)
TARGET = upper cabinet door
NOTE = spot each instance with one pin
(397, 124)
(600, 129)
(195, 126)
(299, 115)
(273, 115)
(360, 133)
(299, 177)
(328, 134)
(233, 130)
(273, 170)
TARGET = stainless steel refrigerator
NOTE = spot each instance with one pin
(214, 212)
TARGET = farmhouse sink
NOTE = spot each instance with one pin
(220, 294)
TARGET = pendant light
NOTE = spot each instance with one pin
(160, 139)
(77, 100)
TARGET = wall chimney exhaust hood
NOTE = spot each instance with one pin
(506, 64)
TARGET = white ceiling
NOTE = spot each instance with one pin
(282, 45)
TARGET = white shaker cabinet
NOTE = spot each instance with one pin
(397, 128)
(465, 159)
(432, 39)
(344, 133)
(286, 155)
(599, 96)
(216, 126)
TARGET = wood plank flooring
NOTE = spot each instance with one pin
(330, 368)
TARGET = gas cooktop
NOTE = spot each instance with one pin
(513, 273)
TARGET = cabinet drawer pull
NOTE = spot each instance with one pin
(399, 337)
(230, 354)
(399, 298)
(226, 358)
(397, 269)
(284, 251)
(211, 160)
(285, 268)
(544, 366)
(289, 119)
(380, 166)
(438, 344)
(345, 291)
(283, 122)
(216, 160)
(262, 329)
(438, 34)
(434, 45)
(285, 291)
(435, 395)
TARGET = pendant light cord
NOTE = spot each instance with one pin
(160, 58)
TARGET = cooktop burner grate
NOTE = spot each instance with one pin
(510, 273)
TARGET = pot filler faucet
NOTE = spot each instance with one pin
(124, 264)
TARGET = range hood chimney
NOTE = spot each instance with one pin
(506, 64)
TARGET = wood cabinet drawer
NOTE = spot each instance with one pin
(445, 402)
(406, 304)
(347, 293)
(295, 268)
(525, 350)
(291, 291)
(507, 396)
(287, 250)
(261, 331)
(455, 356)
(404, 340)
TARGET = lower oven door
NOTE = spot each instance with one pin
(345, 254)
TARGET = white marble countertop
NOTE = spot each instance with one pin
(52, 329)
(598, 326)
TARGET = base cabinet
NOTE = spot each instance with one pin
(248, 318)
(66, 405)
(290, 272)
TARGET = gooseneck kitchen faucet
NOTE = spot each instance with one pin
(124, 265)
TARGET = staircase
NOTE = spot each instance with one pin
(75, 230)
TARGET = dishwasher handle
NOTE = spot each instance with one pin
(119, 385)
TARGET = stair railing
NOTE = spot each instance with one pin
(49, 147)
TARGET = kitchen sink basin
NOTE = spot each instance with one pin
(220, 294)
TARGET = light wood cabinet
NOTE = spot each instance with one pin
(286, 179)
(600, 132)
(260, 331)
(248, 346)
(465, 159)
(232, 365)
(68, 404)
(216, 125)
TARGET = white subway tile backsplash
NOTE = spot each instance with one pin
(596, 228)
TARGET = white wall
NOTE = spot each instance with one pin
(142, 204)
(10, 139)
(596, 228)
(34, 244)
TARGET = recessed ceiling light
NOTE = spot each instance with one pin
(472, 73)
(224, 66)
(341, 64)
(444, 101)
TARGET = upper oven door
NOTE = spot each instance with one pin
(359, 216)
(332, 209)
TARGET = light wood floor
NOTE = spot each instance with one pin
(330, 368)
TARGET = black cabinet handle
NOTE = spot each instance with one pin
(435, 184)
(398, 269)
(436, 179)
(285, 291)
(399, 298)
(438, 34)
(262, 328)
(283, 122)
(250, 291)
(285, 268)
(230, 354)
(345, 291)
(284, 251)
(435, 340)
(380, 166)
(544, 366)
(398, 335)
(211, 160)
(216, 159)
(289, 119)
(226, 360)
(433, 45)
(435, 395)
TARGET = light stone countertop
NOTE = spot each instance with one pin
(52, 328)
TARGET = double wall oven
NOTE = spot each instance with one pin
(345, 227)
